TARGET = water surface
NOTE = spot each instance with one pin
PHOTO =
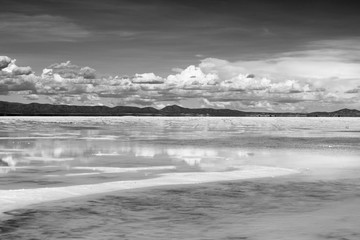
(204, 178)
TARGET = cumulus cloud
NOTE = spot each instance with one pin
(16, 85)
(88, 73)
(10, 66)
(69, 71)
(233, 78)
(147, 78)
(4, 62)
(213, 82)
(12, 69)
(327, 63)
(67, 78)
(14, 78)
(22, 71)
(191, 77)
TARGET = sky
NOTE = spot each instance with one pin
(250, 55)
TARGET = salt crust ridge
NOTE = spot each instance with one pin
(12, 199)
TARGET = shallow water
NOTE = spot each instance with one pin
(306, 174)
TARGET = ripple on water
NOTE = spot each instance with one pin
(228, 210)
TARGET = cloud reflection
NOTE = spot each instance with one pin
(71, 153)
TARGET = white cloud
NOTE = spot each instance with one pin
(31, 97)
(46, 73)
(213, 83)
(58, 78)
(190, 77)
(328, 63)
(12, 68)
(217, 104)
(147, 78)
(305, 67)
(177, 70)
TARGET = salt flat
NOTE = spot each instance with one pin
(50, 158)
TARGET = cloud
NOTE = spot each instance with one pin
(177, 70)
(16, 84)
(311, 67)
(232, 78)
(217, 104)
(39, 28)
(69, 70)
(326, 63)
(354, 90)
(213, 82)
(14, 78)
(88, 73)
(31, 97)
(12, 69)
(222, 68)
(190, 77)
(4, 62)
(22, 71)
(67, 78)
(147, 78)
(62, 99)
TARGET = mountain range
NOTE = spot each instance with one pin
(37, 109)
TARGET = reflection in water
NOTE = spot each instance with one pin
(63, 153)
(273, 210)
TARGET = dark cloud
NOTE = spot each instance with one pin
(4, 62)
(22, 28)
(289, 100)
(22, 71)
(355, 90)
(21, 85)
(132, 36)
(88, 73)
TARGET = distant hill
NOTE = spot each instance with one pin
(340, 113)
(37, 109)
